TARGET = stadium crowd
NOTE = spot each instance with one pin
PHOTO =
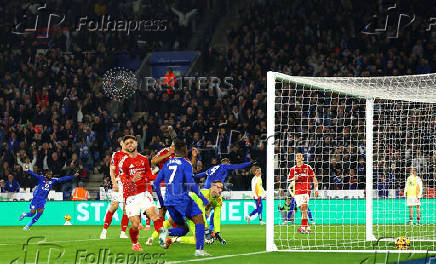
(55, 116)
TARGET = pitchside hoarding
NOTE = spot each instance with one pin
(325, 211)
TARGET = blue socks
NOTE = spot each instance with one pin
(309, 214)
(199, 235)
(178, 231)
(38, 215)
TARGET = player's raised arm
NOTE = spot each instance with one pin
(39, 177)
(158, 158)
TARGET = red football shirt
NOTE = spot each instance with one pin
(115, 161)
(305, 175)
(128, 167)
(161, 153)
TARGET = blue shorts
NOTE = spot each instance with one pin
(37, 204)
(184, 210)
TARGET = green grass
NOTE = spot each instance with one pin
(78, 241)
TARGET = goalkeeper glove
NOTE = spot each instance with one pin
(220, 239)
(209, 239)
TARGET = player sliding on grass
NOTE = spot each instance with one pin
(135, 174)
(117, 193)
(177, 173)
(40, 195)
(302, 175)
(257, 192)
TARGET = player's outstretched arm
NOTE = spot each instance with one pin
(66, 178)
(237, 166)
(200, 175)
(39, 177)
(193, 186)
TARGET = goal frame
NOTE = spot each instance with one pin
(270, 140)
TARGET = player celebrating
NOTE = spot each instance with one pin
(177, 173)
(257, 192)
(135, 174)
(117, 193)
(302, 175)
(414, 193)
(40, 195)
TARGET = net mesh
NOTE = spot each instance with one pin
(324, 118)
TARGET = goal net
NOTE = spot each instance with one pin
(363, 138)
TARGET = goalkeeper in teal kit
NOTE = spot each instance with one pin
(40, 194)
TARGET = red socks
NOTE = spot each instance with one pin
(304, 223)
(108, 219)
(124, 223)
(134, 235)
(158, 224)
(148, 221)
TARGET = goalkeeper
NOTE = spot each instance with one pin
(213, 195)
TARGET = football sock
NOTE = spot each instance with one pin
(108, 219)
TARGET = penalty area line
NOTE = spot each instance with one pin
(217, 257)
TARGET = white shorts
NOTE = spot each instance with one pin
(118, 196)
(301, 199)
(139, 202)
(413, 201)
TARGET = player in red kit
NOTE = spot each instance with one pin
(301, 175)
(135, 174)
(117, 193)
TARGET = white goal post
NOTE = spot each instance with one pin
(383, 127)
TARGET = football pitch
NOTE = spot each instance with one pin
(245, 244)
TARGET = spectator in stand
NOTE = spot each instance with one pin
(12, 185)
(2, 186)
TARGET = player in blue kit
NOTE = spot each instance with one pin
(40, 195)
(177, 173)
(218, 173)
